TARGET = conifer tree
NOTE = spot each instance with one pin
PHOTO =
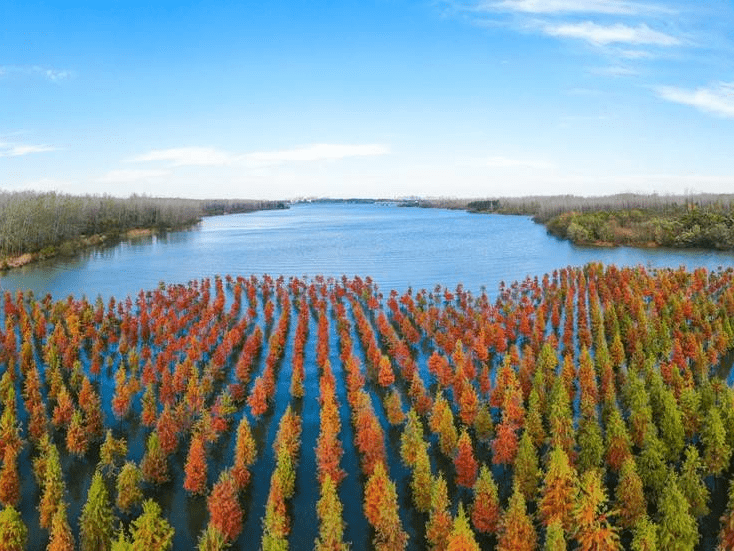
(411, 439)
(629, 495)
(10, 478)
(645, 535)
(211, 539)
(560, 419)
(95, 523)
(527, 469)
(559, 490)
(13, 533)
(534, 419)
(196, 466)
(461, 537)
(53, 487)
(150, 531)
(245, 453)
(154, 464)
(592, 529)
(651, 465)
(422, 480)
(393, 407)
(225, 511)
(555, 539)
(483, 424)
(726, 533)
(691, 484)
(464, 462)
(591, 443)
(504, 444)
(111, 450)
(617, 440)
(439, 524)
(331, 524)
(516, 532)
(381, 510)
(129, 493)
(61, 538)
(276, 525)
(716, 451)
(677, 530)
(77, 440)
(485, 511)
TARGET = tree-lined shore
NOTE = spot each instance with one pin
(679, 221)
(36, 225)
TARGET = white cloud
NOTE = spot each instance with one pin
(717, 99)
(209, 156)
(601, 35)
(17, 150)
(132, 175)
(186, 156)
(615, 71)
(316, 152)
(54, 75)
(617, 7)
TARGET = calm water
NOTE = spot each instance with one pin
(398, 247)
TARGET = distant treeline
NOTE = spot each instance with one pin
(40, 222)
(701, 220)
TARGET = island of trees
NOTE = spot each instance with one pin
(41, 225)
(679, 221)
(584, 409)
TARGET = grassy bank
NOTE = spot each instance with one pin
(690, 221)
(36, 226)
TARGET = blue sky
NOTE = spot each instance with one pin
(366, 98)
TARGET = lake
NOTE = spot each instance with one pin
(397, 247)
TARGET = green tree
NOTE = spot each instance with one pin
(128, 487)
(716, 451)
(555, 539)
(422, 480)
(691, 484)
(331, 527)
(651, 465)
(13, 533)
(211, 539)
(95, 523)
(645, 535)
(591, 444)
(677, 530)
(150, 531)
(527, 470)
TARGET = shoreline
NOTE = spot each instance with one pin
(74, 246)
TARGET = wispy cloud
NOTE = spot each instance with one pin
(186, 156)
(49, 73)
(611, 7)
(717, 99)
(132, 175)
(209, 156)
(18, 150)
(619, 33)
(615, 71)
(317, 152)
